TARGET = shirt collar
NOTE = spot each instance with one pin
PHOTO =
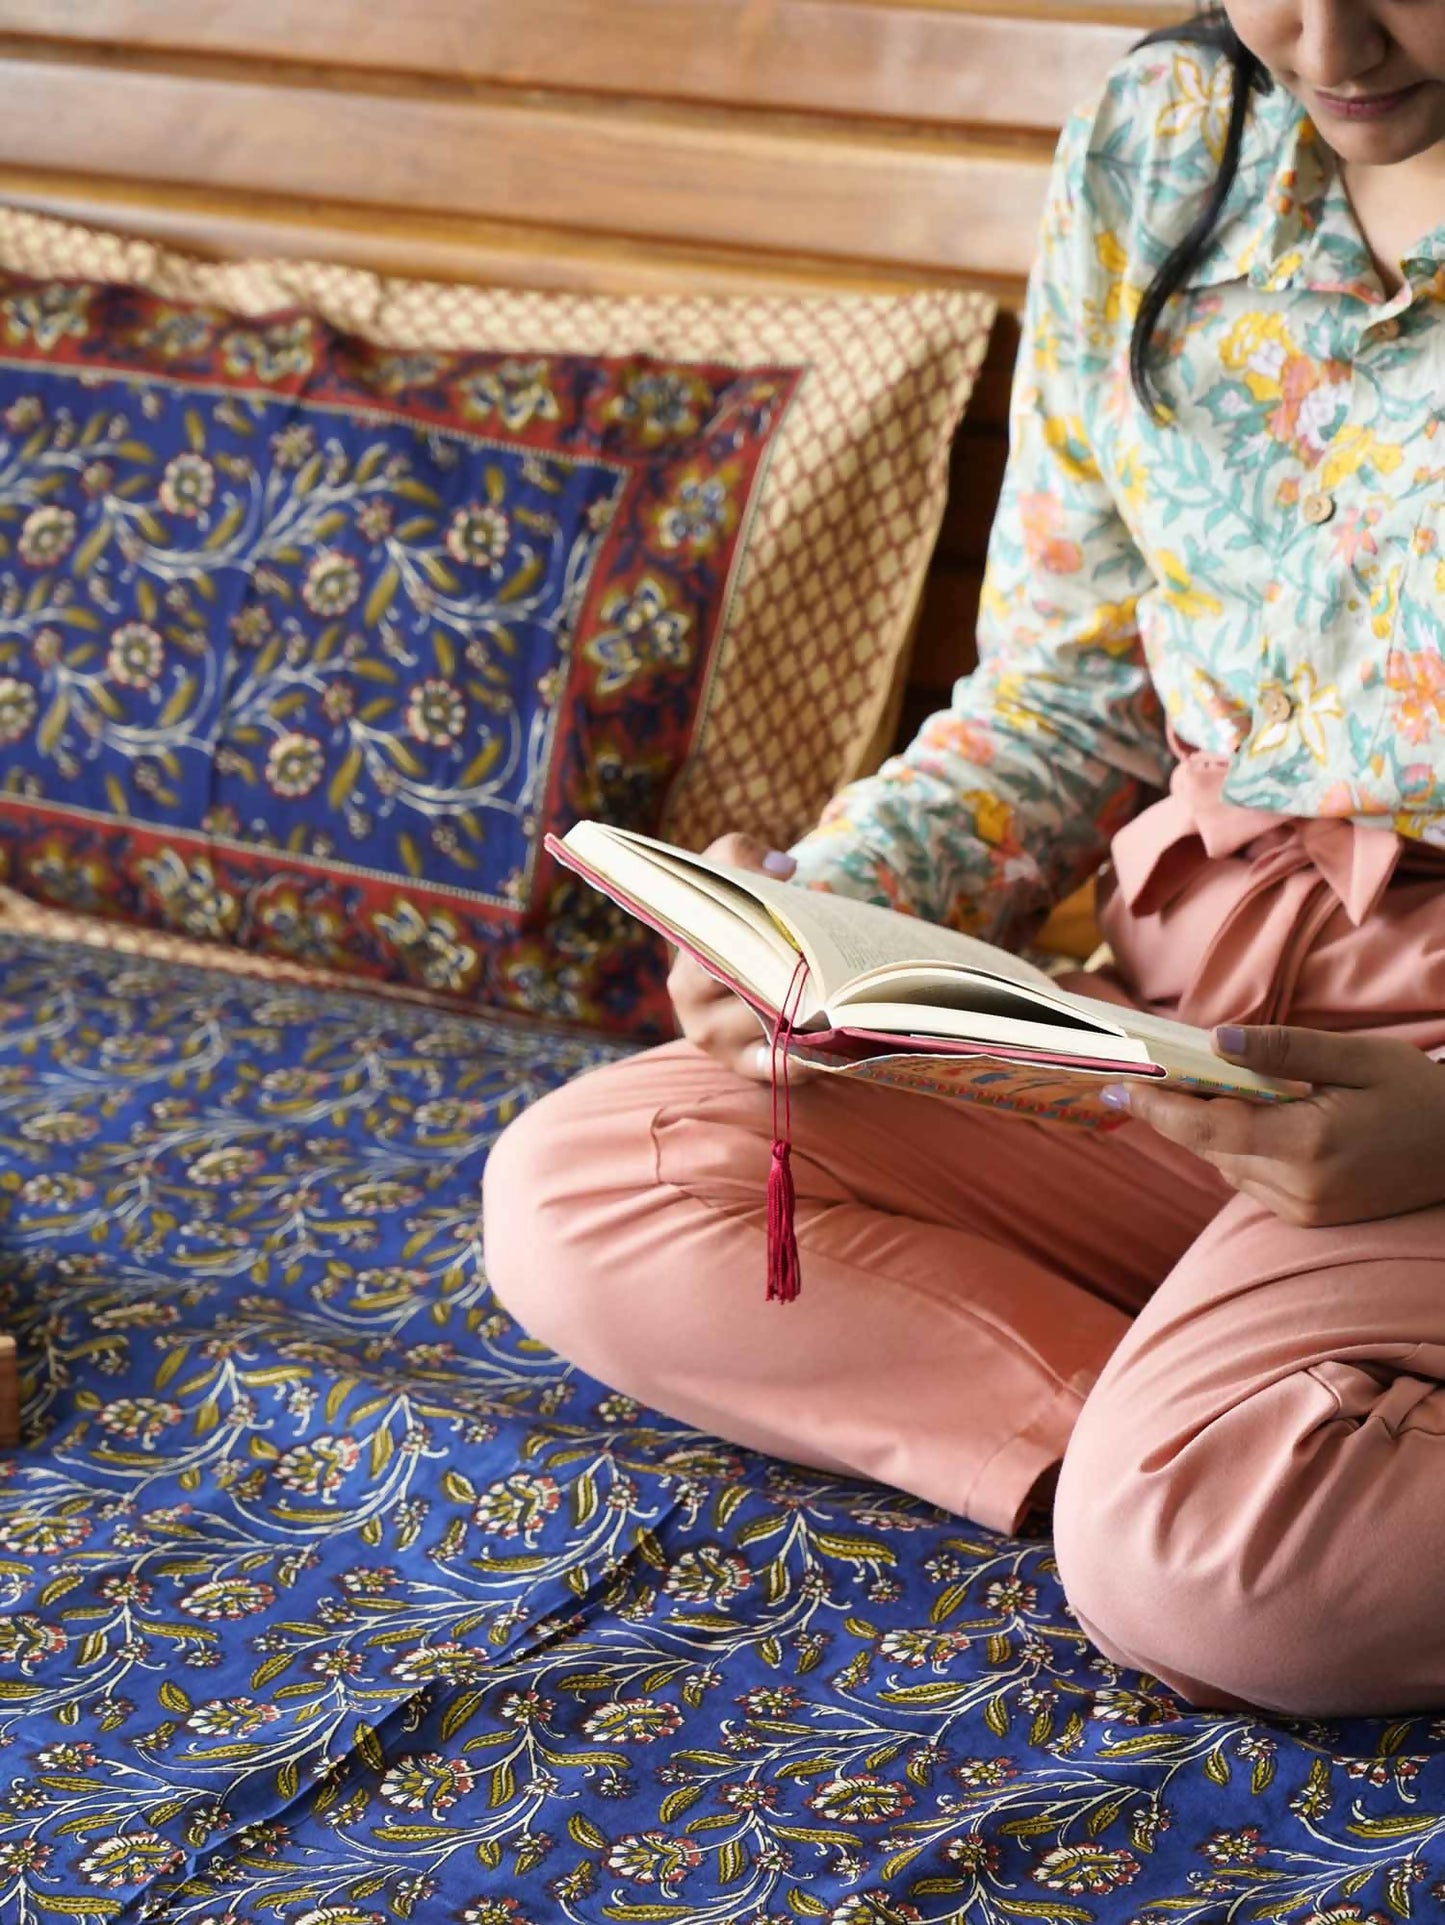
(1288, 222)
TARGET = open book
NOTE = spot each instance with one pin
(872, 994)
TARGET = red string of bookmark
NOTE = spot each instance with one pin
(784, 1272)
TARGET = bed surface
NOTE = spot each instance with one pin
(330, 1597)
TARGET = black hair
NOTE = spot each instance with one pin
(1210, 29)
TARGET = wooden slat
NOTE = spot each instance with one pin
(910, 63)
(903, 201)
(231, 224)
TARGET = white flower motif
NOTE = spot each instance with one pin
(1296, 718)
(137, 655)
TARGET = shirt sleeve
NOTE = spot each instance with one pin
(1007, 799)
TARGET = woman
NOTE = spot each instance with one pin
(1216, 572)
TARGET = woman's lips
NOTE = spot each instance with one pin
(1368, 106)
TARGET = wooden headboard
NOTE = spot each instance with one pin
(600, 144)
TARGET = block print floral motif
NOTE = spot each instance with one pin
(642, 634)
(401, 719)
(325, 1595)
(1417, 682)
(305, 644)
(44, 316)
(701, 511)
(1296, 715)
(516, 391)
(1255, 571)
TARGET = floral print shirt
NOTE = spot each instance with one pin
(1258, 574)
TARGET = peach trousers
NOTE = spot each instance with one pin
(1250, 1416)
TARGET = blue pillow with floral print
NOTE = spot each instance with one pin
(307, 643)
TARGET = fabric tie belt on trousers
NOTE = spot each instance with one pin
(1216, 911)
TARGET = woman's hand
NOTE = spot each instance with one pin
(709, 1014)
(1369, 1141)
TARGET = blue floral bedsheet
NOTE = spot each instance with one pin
(329, 1599)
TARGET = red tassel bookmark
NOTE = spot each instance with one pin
(784, 1276)
(784, 1271)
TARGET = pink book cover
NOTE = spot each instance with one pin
(1045, 1088)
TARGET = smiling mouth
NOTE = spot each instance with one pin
(1368, 106)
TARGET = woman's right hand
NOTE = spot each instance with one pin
(710, 1015)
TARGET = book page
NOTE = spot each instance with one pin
(844, 939)
(1188, 1055)
(939, 987)
(1184, 1052)
(969, 1025)
(723, 924)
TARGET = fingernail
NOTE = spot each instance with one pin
(778, 864)
(1115, 1095)
(1230, 1040)
(762, 1060)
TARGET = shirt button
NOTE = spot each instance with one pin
(1275, 705)
(1386, 330)
(1317, 507)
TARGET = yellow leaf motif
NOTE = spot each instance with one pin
(1110, 626)
(1384, 594)
(1286, 267)
(1044, 346)
(1070, 447)
(1354, 448)
(1013, 705)
(1121, 302)
(1110, 251)
(1179, 591)
(1131, 481)
(993, 819)
(994, 605)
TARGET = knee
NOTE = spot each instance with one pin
(1187, 1562)
(528, 1187)
(572, 1206)
(1142, 1602)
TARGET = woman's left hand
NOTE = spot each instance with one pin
(1369, 1141)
